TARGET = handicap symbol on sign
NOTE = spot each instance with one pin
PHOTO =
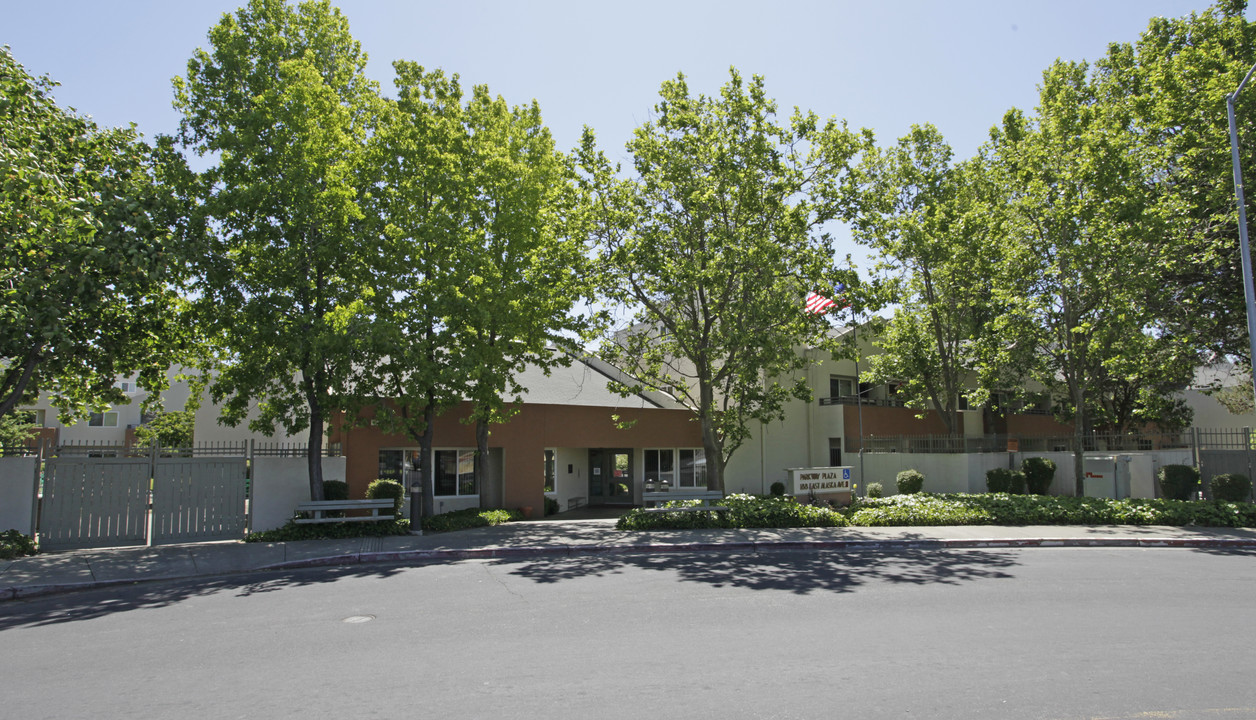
(846, 473)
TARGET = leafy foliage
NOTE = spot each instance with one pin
(88, 270)
(1004, 509)
(330, 531)
(1178, 482)
(14, 544)
(1231, 487)
(998, 480)
(875, 490)
(469, 518)
(744, 511)
(712, 246)
(777, 488)
(280, 107)
(168, 430)
(381, 488)
(910, 482)
(1039, 474)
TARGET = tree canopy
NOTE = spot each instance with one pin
(89, 271)
(714, 243)
(281, 108)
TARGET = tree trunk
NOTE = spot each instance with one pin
(1079, 440)
(481, 458)
(314, 453)
(422, 502)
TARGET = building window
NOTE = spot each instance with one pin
(660, 468)
(105, 419)
(549, 471)
(841, 386)
(393, 463)
(455, 473)
(835, 452)
(693, 468)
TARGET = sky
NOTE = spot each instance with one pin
(879, 64)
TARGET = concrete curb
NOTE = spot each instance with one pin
(532, 551)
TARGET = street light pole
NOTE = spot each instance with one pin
(1243, 244)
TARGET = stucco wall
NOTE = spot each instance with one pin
(279, 483)
(17, 493)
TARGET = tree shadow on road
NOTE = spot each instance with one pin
(798, 572)
(99, 602)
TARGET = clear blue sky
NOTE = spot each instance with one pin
(881, 64)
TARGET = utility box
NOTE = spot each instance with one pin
(1107, 476)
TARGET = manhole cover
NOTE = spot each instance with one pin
(359, 618)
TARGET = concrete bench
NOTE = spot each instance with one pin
(575, 502)
(316, 508)
(706, 499)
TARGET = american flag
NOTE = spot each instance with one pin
(818, 304)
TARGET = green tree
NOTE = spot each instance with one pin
(935, 228)
(1173, 83)
(712, 246)
(281, 109)
(1081, 242)
(421, 203)
(168, 430)
(88, 269)
(528, 265)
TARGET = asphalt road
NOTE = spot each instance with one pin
(1037, 633)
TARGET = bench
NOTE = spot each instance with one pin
(575, 502)
(316, 509)
(705, 498)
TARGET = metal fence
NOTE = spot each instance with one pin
(1022, 443)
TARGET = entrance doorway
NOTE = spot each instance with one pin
(610, 477)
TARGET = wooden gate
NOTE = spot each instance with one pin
(158, 497)
(199, 498)
(94, 502)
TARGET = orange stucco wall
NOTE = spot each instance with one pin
(523, 440)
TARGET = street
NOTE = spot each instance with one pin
(1038, 633)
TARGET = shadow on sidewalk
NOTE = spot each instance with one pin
(100, 602)
(798, 572)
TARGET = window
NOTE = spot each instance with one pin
(549, 471)
(455, 472)
(693, 469)
(32, 417)
(105, 419)
(841, 386)
(660, 468)
(393, 462)
(835, 452)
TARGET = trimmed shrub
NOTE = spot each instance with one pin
(324, 531)
(777, 489)
(909, 482)
(1178, 482)
(998, 480)
(469, 518)
(1231, 487)
(387, 489)
(1016, 484)
(14, 544)
(875, 490)
(335, 490)
(744, 511)
(551, 506)
(1039, 474)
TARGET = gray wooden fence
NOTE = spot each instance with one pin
(98, 497)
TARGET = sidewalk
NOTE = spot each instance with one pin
(84, 569)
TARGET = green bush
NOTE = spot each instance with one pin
(744, 511)
(909, 482)
(777, 489)
(1231, 487)
(324, 531)
(1039, 474)
(14, 544)
(875, 490)
(998, 480)
(335, 490)
(1178, 482)
(1004, 509)
(381, 488)
(551, 506)
(469, 518)
(1016, 485)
